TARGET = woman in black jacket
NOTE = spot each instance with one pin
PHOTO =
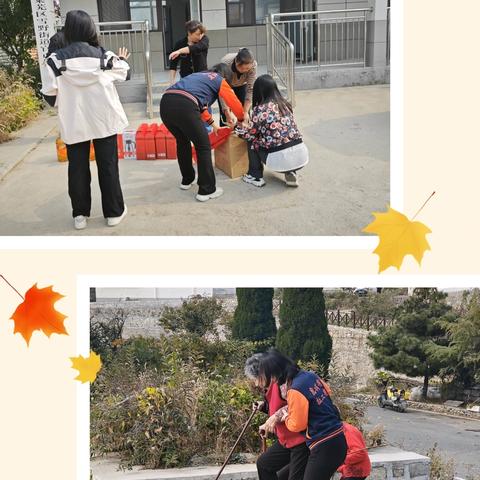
(191, 51)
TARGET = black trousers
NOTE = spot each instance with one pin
(241, 93)
(182, 117)
(281, 463)
(256, 161)
(325, 458)
(79, 177)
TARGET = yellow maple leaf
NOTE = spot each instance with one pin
(398, 237)
(88, 367)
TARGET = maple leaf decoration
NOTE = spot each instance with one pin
(87, 367)
(37, 312)
(398, 237)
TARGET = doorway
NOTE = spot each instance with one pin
(174, 15)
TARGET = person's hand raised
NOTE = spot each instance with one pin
(174, 55)
(123, 53)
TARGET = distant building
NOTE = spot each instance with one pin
(231, 24)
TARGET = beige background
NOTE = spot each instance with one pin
(37, 397)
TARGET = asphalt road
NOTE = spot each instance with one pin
(456, 438)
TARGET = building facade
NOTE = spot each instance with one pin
(231, 24)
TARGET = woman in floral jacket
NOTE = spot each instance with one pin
(273, 136)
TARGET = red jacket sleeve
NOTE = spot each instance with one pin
(228, 96)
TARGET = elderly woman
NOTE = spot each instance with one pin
(287, 457)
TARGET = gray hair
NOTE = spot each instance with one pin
(252, 365)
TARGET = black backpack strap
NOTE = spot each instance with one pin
(102, 61)
(54, 67)
(63, 68)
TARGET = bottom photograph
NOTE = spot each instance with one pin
(285, 383)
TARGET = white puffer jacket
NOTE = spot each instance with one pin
(81, 77)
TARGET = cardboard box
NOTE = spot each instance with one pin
(129, 145)
(232, 157)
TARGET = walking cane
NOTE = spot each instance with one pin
(255, 410)
(264, 443)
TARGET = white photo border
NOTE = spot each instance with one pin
(270, 242)
(84, 282)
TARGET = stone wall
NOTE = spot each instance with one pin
(351, 353)
(141, 317)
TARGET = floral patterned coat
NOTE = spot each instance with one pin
(269, 128)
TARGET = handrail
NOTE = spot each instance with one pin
(333, 38)
(147, 65)
(289, 79)
(148, 72)
(317, 12)
(125, 22)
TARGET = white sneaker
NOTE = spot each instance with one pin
(113, 221)
(258, 182)
(217, 193)
(80, 222)
(291, 179)
(187, 187)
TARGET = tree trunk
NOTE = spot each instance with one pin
(93, 294)
(426, 379)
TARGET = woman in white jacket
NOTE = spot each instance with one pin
(80, 83)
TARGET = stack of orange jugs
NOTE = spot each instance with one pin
(62, 149)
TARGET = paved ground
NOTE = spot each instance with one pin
(418, 431)
(346, 130)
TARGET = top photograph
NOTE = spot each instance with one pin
(194, 118)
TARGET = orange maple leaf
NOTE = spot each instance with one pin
(37, 312)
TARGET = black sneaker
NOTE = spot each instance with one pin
(258, 182)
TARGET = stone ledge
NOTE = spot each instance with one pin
(341, 77)
(388, 463)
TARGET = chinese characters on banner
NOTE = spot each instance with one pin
(44, 22)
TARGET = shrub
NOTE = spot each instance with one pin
(197, 315)
(18, 104)
(166, 416)
(375, 437)
(253, 319)
(106, 334)
(441, 468)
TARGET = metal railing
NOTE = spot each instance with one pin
(351, 319)
(388, 36)
(325, 37)
(280, 60)
(135, 35)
